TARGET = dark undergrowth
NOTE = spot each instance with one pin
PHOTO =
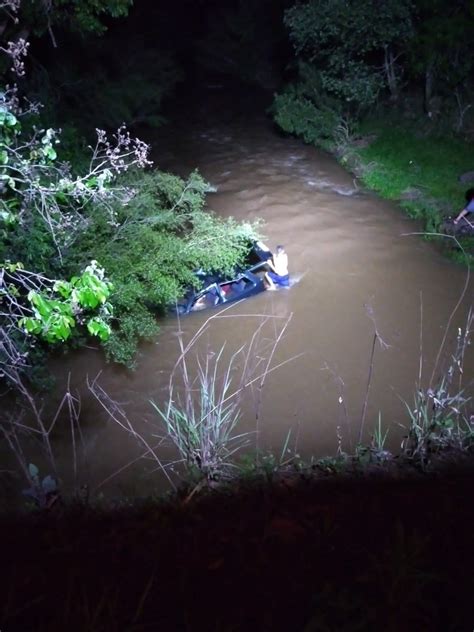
(379, 551)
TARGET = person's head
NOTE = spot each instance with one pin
(469, 195)
(280, 249)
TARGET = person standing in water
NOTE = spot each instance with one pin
(278, 273)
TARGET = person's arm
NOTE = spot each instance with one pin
(271, 265)
(462, 214)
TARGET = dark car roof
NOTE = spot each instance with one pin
(213, 284)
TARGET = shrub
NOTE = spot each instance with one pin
(298, 115)
(152, 250)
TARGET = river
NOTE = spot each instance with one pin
(359, 266)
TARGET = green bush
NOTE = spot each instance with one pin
(152, 250)
(298, 115)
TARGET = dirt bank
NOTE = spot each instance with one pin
(369, 553)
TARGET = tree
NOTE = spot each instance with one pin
(355, 45)
(242, 41)
(84, 16)
(43, 202)
(19, 19)
(441, 51)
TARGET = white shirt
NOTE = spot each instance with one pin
(280, 263)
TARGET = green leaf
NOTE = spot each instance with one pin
(50, 153)
(7, 119)
(43, 306)
(33, 470)
(61, 330)
(92, 183)
(31, 325)
(10, 119)
(87, 298)
(63, 288)
(98, 327)
(7, 217)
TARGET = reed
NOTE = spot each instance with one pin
(439, 418)
(203, 406)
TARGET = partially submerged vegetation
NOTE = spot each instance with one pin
(101, 247)
(92, 243)
(360, 540)
(201, 415)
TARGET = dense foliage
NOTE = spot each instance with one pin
(151, 251)
(306, 110)
(130, 87)
(358, 54)
(353, 45)
(90, 246)
(388, 88)
(86, 16)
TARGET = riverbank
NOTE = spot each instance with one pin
(410, 162)
(299, 552)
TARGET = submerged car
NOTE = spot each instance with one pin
(219, 291)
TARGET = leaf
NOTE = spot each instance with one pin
(31, 325)
(91, 183)
(50, 153)
(33, 470)
(10, 119)
(87, 298)
(7, 118)
(8, 218)
(61, 198)
(42, 305)
(97, 327)
(61, 327)
(63, 288)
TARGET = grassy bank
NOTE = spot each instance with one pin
(411, 163)
(404, 157)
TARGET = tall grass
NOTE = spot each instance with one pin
(200, 416)
(28, 430)
(204, 400)
(440, 417)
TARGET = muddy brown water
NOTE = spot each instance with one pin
(356, 263)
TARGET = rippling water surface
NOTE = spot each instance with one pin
(358, 268)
